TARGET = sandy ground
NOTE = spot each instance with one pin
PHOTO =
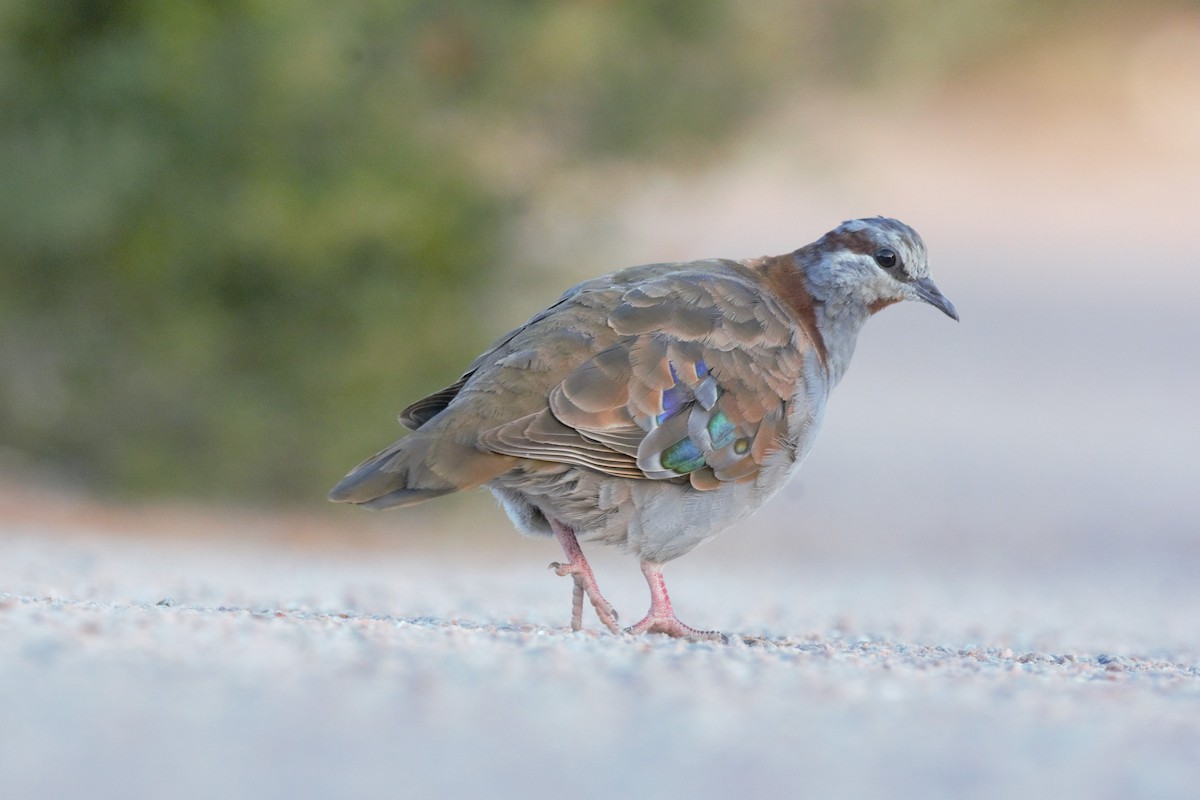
(243, 663)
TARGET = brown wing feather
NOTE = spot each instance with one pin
(666, 371)
(429, 407)
(696, 381)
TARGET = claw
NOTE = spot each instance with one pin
(671, 626)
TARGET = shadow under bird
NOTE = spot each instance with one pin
(654, 406)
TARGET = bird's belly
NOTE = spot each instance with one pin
(655, 520)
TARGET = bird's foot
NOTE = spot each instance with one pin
(671, 626)
(661, 618)
(585, 584)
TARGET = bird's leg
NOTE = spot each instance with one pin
(661, 618)
(585, 582)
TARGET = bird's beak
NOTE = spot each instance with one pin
(928, 291)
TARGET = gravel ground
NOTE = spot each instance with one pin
(255, 666)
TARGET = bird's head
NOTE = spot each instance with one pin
(873, 262)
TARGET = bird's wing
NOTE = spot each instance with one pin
(595, 290)
(694, 376)
(430, 406)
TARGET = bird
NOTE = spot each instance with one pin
(655, 406)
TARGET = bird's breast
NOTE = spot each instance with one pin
(806, 412)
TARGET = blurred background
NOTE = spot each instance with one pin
(237, 237)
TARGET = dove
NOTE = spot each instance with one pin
(655, 406)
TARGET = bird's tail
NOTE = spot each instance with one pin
(419, 467)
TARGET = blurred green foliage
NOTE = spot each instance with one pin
(236, 235)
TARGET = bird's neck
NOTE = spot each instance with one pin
(830, 317)
(840, 323)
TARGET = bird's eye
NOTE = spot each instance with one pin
(886, 258)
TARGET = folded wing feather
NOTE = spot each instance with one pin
(695, 385)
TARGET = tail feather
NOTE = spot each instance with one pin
(404, 497)
(417, 468)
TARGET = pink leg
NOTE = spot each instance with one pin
(585, 582)
(661, 618)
